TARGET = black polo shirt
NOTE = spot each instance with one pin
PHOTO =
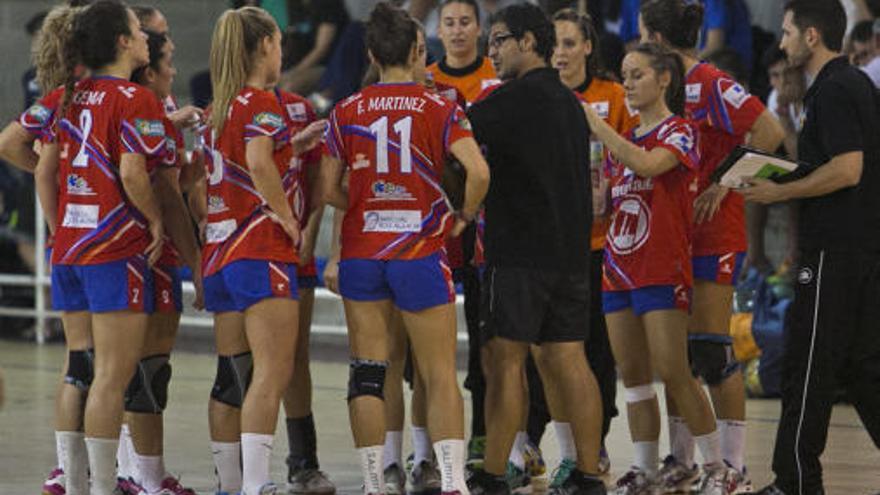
(538, 209)
(842, 115)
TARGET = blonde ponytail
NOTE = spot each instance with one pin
(237, 36)
(49, 50)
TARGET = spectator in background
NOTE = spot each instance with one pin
(312, 32)
(865, 48)
(29, 80)
(727, 23)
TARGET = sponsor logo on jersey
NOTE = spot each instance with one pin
(736, 95)
(603, 108)
(693, 92)
(384, 190)
(297, 112)
(392, 221)
(269, 119)
(40, 113)
(80, 216)
(149, 127)
(216, 205)
(465, 124)
(78, 186)
(219, 231)
(631, 226)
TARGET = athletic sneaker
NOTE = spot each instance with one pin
(424, 478)
(675, 477)
(743, 482)
(127, 486)
(637, 482)
(395, 480)
(770, 489)
(720, 480)
(476, 452)
(55, 483)
(171, 486)
(482, 483)
(269, 489)
(604, 461)
(309, 482)
(517, 478)
(535, 465)
(578, 483)
(562, 472)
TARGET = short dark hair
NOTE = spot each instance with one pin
(473, 3)
(679, 22)
(390, 35)
(825, 16)
(155, 41)
(524, 17)
(863, 32)
(144, 12)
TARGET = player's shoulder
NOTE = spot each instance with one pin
(605, 88)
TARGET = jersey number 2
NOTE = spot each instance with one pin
(403, 127)
(85, 123)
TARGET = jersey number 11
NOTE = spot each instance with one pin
(403, 127)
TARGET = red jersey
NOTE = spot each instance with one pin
(39, 118)
(106, 118)
(395, 139)
(724, 112)
(175, 143)
(238, 223)
(649, 238)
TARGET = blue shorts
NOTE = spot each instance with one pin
(413, 285)
(167, 289)
(122, 285)
(645, 299)
(307, 282)
(721, 269)
(243, 283)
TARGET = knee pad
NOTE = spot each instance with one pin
(80, 369)
(711, 357)
(366, 377)
(233, 378)
(148, 390)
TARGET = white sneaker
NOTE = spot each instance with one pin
(675, 477)
(637, 482)
(395, 480)
(720, 480)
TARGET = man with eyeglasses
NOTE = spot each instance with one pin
(536, 284)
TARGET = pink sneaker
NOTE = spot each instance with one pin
(172, 485)
(55, 483)
(127, 486)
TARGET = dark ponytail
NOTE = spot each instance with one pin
(677, 21)
(390, 35)
(664, 60)
(595, 65)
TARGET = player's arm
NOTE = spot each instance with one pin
(766, 133)
(331, 270)
(644, 163)
(136, 183)
(332, 191)
(842, 171)
(313, 223)
(16, 147)
(46, 183)
(477, 182)
(258, 153)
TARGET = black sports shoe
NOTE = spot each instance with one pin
(770, 489)
(579, 483)
(483, 483)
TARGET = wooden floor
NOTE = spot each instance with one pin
(27, 453)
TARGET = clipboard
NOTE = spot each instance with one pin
(747, 162)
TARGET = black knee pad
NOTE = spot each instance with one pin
(233, 378)
(148, 390)
(80, 369)
(366, 377)
(711, 357)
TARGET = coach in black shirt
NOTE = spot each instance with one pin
(538, 214)
(833, 326)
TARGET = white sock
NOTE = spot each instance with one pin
(565, 439)
(647, 455)
(102, 464)
(421, 445)
(256, 451)
(393, 451)
(733, 442)
(74, 461)
(59, 451)
(227, 462)
(450, 461)
(516, 453)
(372, 468)
(710, 448)
(680, 441)
(125, 465)
(151, 471)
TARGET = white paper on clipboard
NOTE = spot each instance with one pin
(758, 165)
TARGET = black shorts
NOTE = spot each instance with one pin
(535, 306)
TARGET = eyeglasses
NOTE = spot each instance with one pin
(499, 40)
